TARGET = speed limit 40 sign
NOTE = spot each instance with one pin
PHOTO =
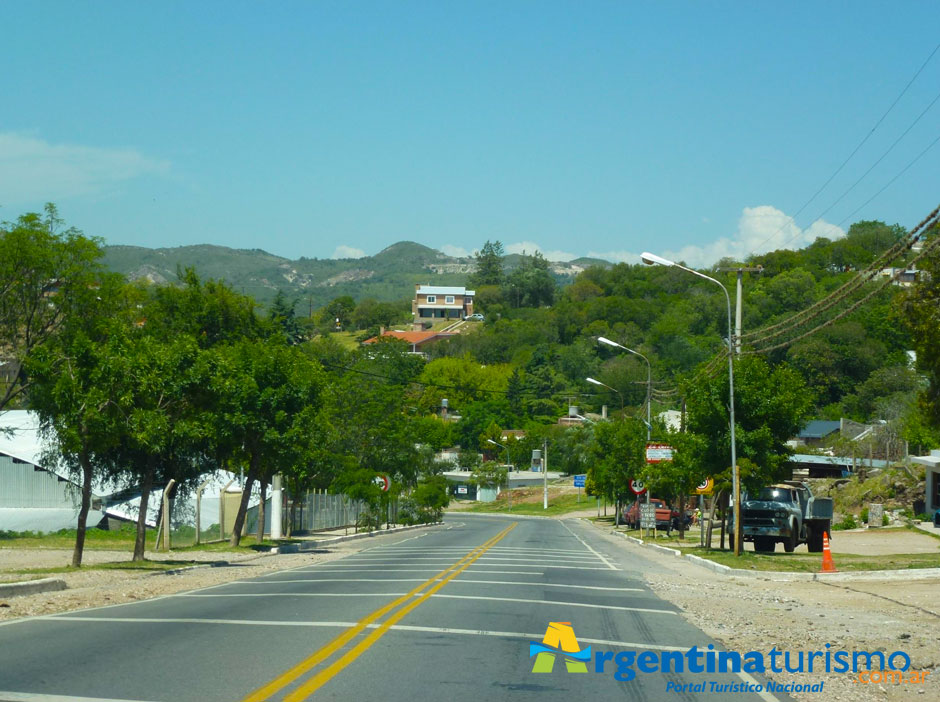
(637, 487)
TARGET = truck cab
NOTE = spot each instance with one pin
(785, 512)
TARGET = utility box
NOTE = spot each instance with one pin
(875, 515)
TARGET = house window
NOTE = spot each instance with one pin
(432, 299)
(449, 300)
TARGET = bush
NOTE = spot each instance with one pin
(884, 520)
(848, 522)
(410, 512)
(863, 517)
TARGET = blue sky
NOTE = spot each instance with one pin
(691, 129)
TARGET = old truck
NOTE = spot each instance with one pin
(787, 512)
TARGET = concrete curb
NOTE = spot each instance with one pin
(778, 575)
(32, 587)
(313, 545)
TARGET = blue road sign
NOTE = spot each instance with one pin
(579, 480)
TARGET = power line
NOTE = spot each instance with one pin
(881, 119)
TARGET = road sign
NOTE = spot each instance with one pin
(579, 480)
(705, 487)
(461, 489)
(647, 516)
(657, 453)
(383, 482)
(637, 487)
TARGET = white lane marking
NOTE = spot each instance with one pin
(37, 697)
(575, 587)
(434, 570)
(410, 538)
(379, 561)
(520, 549)
(297, 594)
(588, 547)
(384, 567)
(552, 602)
(187, 620)
(30, 697)
(328, 580)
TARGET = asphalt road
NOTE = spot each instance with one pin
(447, 613)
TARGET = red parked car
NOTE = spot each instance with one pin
(666, 518)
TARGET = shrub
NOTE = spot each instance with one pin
(848, 522)
(863, 517)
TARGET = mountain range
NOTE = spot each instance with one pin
(388, 276)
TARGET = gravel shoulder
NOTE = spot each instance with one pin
(755, 614)
(93, 588)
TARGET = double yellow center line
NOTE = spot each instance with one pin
(411, 600)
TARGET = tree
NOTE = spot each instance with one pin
(531, 283)
(282, 316)
(617, 456)
(489, 265)
(771, 405)
(44, 274)
(340, 309)
(263, 398)
(919, 306)
(154, 382)
(71, 389)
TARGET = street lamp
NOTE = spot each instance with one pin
(649, 379)
(653, 259)
(604, 385)
(509, 469)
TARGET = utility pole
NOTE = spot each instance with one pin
(737, 302)
(545, 474)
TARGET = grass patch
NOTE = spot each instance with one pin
(811, 562)
(557, 504)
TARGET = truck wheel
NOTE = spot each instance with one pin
(764, 543)
(789, 544)
(814, 539)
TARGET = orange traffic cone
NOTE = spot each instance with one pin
(827, 565)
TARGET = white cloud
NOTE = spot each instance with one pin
(530, 247)
(455, 251)
(343, 251)
(760, 229)
(32, 169)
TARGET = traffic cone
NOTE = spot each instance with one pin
(827, 565)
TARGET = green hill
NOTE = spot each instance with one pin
(388, 276)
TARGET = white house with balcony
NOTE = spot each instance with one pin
(434, 302)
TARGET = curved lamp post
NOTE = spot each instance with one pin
(649, 379)
(653, 259)
(508, 471)
(605, 385)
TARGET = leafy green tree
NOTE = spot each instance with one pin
(71, 389)
(44, 274)
(209, 311)
(771, 405)
(153, 382)
(530, 284)
(617, 456)
(489, 265)
(282, 316)
(371, 314)
(341, 309)
(263, 401)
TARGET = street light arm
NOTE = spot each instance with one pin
(650, 259)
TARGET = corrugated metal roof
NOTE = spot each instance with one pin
(818, 428)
